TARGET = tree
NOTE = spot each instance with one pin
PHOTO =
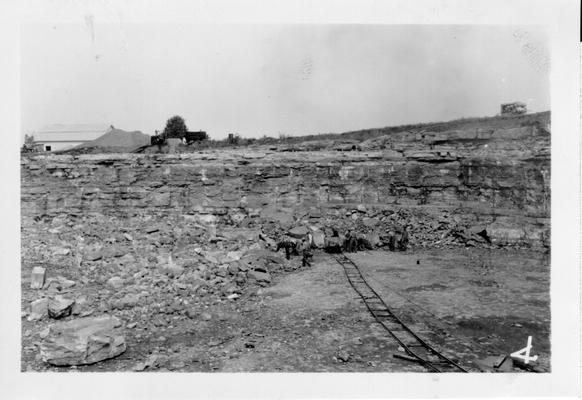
(28, 145)
(175, 128)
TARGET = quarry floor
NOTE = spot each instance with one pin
(468, 303)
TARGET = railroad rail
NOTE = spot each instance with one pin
(417, 349)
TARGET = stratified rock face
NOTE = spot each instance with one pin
(82, 341)
(486, 175)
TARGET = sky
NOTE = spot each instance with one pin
(274, 80)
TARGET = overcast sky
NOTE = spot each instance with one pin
(275, 79)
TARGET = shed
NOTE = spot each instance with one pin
(62, 137)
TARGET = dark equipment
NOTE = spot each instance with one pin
(157, 140)
(196, 136)
(333, 245)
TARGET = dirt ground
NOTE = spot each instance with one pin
(471, 303)
(468, 303)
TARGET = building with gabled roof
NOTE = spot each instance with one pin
(61, 137)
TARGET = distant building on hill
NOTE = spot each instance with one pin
(62, 137)
(515, 108)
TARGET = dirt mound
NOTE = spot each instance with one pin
(118, 140)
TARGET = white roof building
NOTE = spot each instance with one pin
(62, 137)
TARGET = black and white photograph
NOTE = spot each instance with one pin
(325, 197)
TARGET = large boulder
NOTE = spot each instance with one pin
(241, 234)
(128, 301)
(318, 239)
(172, 269)
(260, 276)
(232, 256)
(299, 232)
(82, 341)
(370, 222)
(283, 218)
(261, 260)
(94, 255)
(115, 282)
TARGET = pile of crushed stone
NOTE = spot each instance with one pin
(114, 141)
(120, 138)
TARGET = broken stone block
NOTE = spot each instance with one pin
(44, 333)
(232, 256)
(477, 229)
(318, 239)
(243, 266)
(65, 283)
(115, 251)
(94, 255)
(78, 307)
(115, 282)
(55, 285)
(59, 251)
(298, 232)
(213, 257)
(315, 213)
(269, 242)
(370, 222)
(259, 276)
(343, 356)
(206, 316)
(241, 278)
(221, 271)
(191, 313)
(152, 229)
(172, 270)
(59, 307)
(82, 341)
(281, 217)
(487, 363)
(128, 301)
(233, 269)
(504, 364)
(38, 309)
(37, 278)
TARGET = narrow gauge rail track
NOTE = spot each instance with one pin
(416, 348)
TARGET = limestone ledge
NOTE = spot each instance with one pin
(514, 191)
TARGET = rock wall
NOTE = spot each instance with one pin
(496, 178)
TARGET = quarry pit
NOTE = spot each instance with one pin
(178, 248)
